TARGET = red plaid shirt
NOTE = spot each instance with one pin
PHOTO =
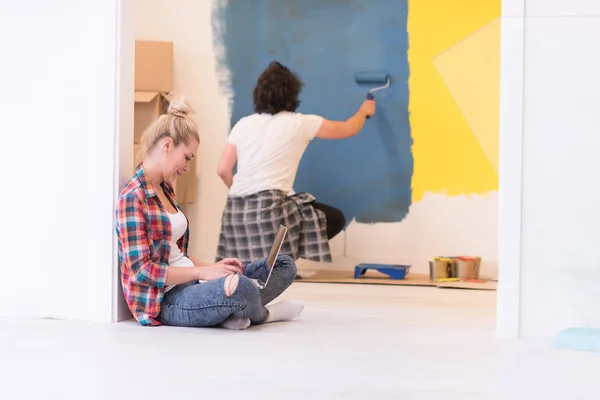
(144, 233)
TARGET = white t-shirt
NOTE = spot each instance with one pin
(269, 149)
(176, 257)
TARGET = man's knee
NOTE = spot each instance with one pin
(285, 260)
(286, 265)
(341, 219)
(231, 284)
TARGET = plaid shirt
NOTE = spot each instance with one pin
(249, 224)
(144, 233)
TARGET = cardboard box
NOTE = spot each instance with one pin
(148, 107)
(153, 81)
(153, 66)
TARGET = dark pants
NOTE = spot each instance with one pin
(335, 219)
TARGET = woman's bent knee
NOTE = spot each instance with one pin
(231, 284)
(244, 287)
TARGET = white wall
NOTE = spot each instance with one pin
(59, 75)
(558, 8)
(436, 225)
(560, 264)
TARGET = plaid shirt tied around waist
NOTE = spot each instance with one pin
(249, 225)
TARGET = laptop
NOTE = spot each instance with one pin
(275, 248)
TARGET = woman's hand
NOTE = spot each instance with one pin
(233, 262)
(216, 271)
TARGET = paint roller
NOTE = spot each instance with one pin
(372, 78)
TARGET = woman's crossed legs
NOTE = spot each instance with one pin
(233, 301)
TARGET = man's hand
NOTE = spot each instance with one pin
(367, 108)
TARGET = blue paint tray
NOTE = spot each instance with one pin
(583, 339)
(394, 271)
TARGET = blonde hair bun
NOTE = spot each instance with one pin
(176, 124)
(178, 105)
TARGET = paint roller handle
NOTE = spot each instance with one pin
(370, 97)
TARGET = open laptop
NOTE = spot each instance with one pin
(275, 248)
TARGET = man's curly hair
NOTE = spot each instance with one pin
(277, 89)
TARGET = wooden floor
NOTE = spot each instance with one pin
(351, 342)
(377, 278)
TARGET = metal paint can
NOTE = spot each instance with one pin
(467, 268)
(440, 268)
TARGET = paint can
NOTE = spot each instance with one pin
(467, 268)
(477, 266)
(440, 268)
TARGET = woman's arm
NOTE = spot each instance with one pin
(198, 263)
(132, 233)
(348, 128)
(226, 164)
(180, 275)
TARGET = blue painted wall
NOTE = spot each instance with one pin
(326, 41)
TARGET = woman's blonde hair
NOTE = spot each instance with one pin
(175, 124)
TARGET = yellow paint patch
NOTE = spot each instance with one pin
(471, 71)
(450, 156)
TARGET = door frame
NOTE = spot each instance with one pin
(508, 315)
(512, 55)
(123, 141)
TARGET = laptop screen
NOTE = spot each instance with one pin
(276, 247)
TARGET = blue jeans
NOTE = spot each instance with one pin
(205, 304)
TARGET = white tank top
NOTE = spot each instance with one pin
(178, 228)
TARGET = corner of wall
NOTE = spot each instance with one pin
(124, 65)
(510, 169)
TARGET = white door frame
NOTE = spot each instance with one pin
(510, 148)
(123, 169)
(508, 316)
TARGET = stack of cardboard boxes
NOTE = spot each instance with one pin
(153, 82)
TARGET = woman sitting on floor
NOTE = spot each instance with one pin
(161, 283)
(267, 147)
